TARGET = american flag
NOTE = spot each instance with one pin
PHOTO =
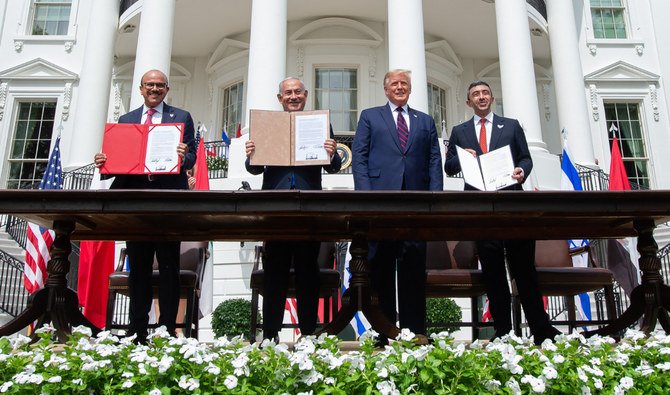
(39, 239)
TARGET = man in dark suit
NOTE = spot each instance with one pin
(396, 148)
(153, 87)
(278, 255)
(482, 133)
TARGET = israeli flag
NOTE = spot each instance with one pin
(570, 182)
(359, 322)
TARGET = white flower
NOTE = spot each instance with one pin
(155, 391)
(84, 330)
(492, 385)
(586, 390)
(383, 372)
(549, 372)
(312, 377)
(582, 376)
(127, 384)
(230, 382)
(55, 379)
(213, 369)
(165, 363)
(597, 383)
(558, 359)
(127, 375)
(405, 335)
(536, 384)
(626, 383)
(665, 366)
(188, 383)
(329, 381)
(77, 381)
(513, 385)
(5, 386)
(387, 388)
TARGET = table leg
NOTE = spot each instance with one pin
(360, 296)
(649, 300)
(55, 302)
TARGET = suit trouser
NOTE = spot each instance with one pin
(521, 258)
(277, 259)
(141, 259)
(410, 258)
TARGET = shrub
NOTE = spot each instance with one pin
(232, 317)
(439, 311)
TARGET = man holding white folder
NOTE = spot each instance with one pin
(483, 133)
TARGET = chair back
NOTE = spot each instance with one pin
(552, 253)
(451, 255)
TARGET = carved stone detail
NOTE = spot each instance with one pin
(593, 49)
(300, 61)
(67, 101)
(545, 98)
(117, 102)
(372, 68)
(639, 48)
(18, 45)
(3, 99)
(594, 101)
(68, 46)
(654, 102)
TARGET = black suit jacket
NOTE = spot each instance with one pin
(294, 177)
(504, 131)
(161, 181)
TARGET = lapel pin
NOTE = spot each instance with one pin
(172, 116)
(500, 126)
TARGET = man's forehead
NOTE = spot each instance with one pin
(478, 88)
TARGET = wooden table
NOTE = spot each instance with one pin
(339, 215)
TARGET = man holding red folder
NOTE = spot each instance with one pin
(154, 87)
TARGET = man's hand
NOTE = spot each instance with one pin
(182, 150)
(99, 159)
(471, 151)
(517, 174)
(330, 145)
(250, 147)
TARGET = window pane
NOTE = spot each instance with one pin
(232, 108)
(51, 17)
(631, 140)
(336, 89)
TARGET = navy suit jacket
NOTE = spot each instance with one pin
(162, 181)
(294, 177)
(380, 164)
(504, 131)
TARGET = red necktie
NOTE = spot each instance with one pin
(150, 114)
(482, 135)
(403, 132)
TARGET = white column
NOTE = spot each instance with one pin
(407, 49)
(90, 112)
(569, 80)
(516, 68)
(154, 43)
(267, 55)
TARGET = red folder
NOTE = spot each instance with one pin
(125, 145)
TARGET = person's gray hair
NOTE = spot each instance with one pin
(389, 73)
(281, 83)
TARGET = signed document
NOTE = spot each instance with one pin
(289, 138)
(488, 172)
(142, 148)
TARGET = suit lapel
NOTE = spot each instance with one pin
(471, 136)
(168, 114)
(390, 124)
(497, 129)
(413, 126)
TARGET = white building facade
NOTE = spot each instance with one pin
(579, 66)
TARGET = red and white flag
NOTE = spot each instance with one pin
(292, 307)
(39, 239)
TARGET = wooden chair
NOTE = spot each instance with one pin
(192, 265)
(452, 271)
(557, 277)
(329, 280)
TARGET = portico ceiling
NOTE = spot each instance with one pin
(468, 25)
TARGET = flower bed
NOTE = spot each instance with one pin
(638, 364)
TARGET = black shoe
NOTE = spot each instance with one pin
(547, 333)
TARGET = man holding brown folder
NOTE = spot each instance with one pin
(154, 87)
(279, 254)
